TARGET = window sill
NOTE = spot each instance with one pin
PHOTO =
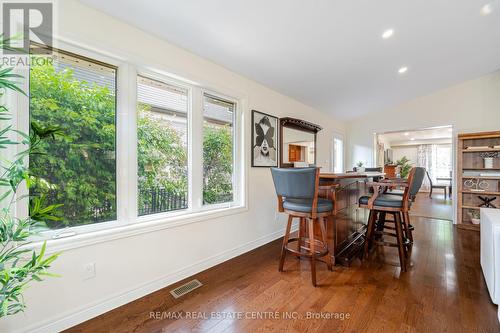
(144, 224)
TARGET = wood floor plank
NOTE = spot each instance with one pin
(443, 291)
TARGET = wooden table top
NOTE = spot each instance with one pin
(347, 175)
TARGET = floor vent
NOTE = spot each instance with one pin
(186, 288)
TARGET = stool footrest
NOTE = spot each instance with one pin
(320, 251)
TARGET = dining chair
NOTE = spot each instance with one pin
(382, 204)
(437, 185)
(297, 191)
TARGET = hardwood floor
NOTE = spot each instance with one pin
(443, 290)
(438, 207)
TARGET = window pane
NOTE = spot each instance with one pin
(77, 168)
(162, 146)
(338, 158)
(218, 143)
(442, 161)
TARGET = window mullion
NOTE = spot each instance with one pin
(126, 145)
(195, 164)
(18, 106)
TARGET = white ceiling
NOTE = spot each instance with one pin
(329, 53)
(434, 134)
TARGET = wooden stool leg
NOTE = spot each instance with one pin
(401, 246)
(313, 251)
(302, 230)
(369, 231)
(285, 242)
(380, 223)
(328, 259)
(406, 216)
(331, 224)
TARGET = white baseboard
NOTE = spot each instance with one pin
(92, 310)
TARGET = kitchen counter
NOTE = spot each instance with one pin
(346, 230)
(351, 175)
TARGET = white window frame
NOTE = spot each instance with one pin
(236, 165)
(151, 74)
(128, 222)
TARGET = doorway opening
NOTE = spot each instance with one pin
(432, 148)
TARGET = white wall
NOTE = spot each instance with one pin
(471, 106)
(409, 151)
(130, 267)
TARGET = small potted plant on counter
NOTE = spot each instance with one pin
(475, 217)
(360, 167)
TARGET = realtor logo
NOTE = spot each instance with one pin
(24, 22)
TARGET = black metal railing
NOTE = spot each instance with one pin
(158, 200)
(151, 201)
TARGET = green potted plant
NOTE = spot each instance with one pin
(360, 166)
(20, 264)
(404, 167)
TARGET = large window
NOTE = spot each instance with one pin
(338, 154)
(128, 145)
(162, 146)
(218, 150)
(77, 169)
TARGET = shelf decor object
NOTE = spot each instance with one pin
(475, 217)
(489, 159)
(487, 202)
(478, 176)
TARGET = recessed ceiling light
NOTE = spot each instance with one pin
(388, 33)
(412, 139)
(403, 70)
(486, 9)
(407, 133)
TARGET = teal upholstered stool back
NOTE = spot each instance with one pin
(295, 183)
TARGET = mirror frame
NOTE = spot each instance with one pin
(300, 125)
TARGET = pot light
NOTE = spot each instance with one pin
(407, 133)
(412, 139)
(403, 70)
(487, 9)
(388, 33)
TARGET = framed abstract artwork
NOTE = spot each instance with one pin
(264, 140)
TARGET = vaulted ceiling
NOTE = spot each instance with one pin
(330, 54)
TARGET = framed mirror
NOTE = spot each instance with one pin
(297, 143)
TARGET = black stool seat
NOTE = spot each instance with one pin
(305, 205)
(384, 200)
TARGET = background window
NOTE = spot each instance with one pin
(218, 149)
(77, 168)
(162, 146)
(338, 155)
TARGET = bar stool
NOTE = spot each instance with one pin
(381, 204)
(417, 183)
(297, 191)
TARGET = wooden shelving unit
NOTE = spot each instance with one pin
(470, 147)
(480, 150)
(481, 192)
